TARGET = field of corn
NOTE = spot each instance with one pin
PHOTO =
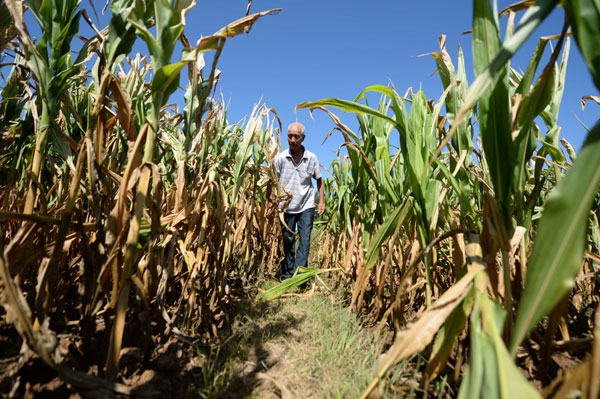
(127, 220)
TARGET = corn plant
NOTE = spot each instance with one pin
(51, 64)
(117, 215)
(502, 187)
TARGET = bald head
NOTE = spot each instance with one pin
(297, 128)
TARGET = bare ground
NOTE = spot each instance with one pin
(258, 357)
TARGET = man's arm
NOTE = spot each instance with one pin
(320, 186)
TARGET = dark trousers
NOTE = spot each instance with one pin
(303, 221)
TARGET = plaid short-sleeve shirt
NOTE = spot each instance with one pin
(296, 179)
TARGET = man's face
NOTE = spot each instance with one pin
(295, 138)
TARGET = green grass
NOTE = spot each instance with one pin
(307, 345)
(336, 354)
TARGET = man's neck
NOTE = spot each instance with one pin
(298, 153)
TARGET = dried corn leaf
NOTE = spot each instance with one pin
(242, 25)
(418, 335)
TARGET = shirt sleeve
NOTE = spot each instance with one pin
(316, 169)
(277, 164)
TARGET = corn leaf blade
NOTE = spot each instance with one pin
(584, 16)
(491, 372)
(494, 113)
(560, 239)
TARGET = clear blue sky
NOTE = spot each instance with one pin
(318, 49)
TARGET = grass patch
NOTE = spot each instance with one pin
(336, 355)
(300, 346)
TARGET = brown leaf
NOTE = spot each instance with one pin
(124, 108)
(420, 333)
(593, 98)
(242, 25)
(519, 6)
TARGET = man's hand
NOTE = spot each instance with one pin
(321, 209)
(321, 187)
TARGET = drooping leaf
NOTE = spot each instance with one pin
(232, 29)
(447, 337)
(384, 232)
(584, 17)
(560, 239)
(303, 275)
(491, 373)
(347, 106)
(419, 334)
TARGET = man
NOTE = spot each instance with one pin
(295, 168)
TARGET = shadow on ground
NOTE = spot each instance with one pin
(179, 368)
(247, 348)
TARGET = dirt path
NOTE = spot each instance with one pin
(299, 346)
(269, 369)
(261, 356)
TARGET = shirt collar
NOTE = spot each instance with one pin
(288, 154)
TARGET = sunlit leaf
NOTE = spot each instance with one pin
(560, 239)
(584, 17)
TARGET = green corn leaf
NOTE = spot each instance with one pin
(415, 136)
(397, 104)
(491, 373)
(463, 198)
(538, 98)
(533, 103)
(384, 232)
(165, 82)
(550, 114)
(528, 23)
(584, 17)
(463, 140)
(62, 44)
(383, 176)
(61, 145)
(527, 78)
(494, 113)
(170, 21)
(417, 146)
(12, 105)
(347, 106)
(550, 145)
(42, 47)
(303, 275)
(470, 388)
(461, 74)
(431, 194)
(380, 131)
(560, 239)
(121, 33)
